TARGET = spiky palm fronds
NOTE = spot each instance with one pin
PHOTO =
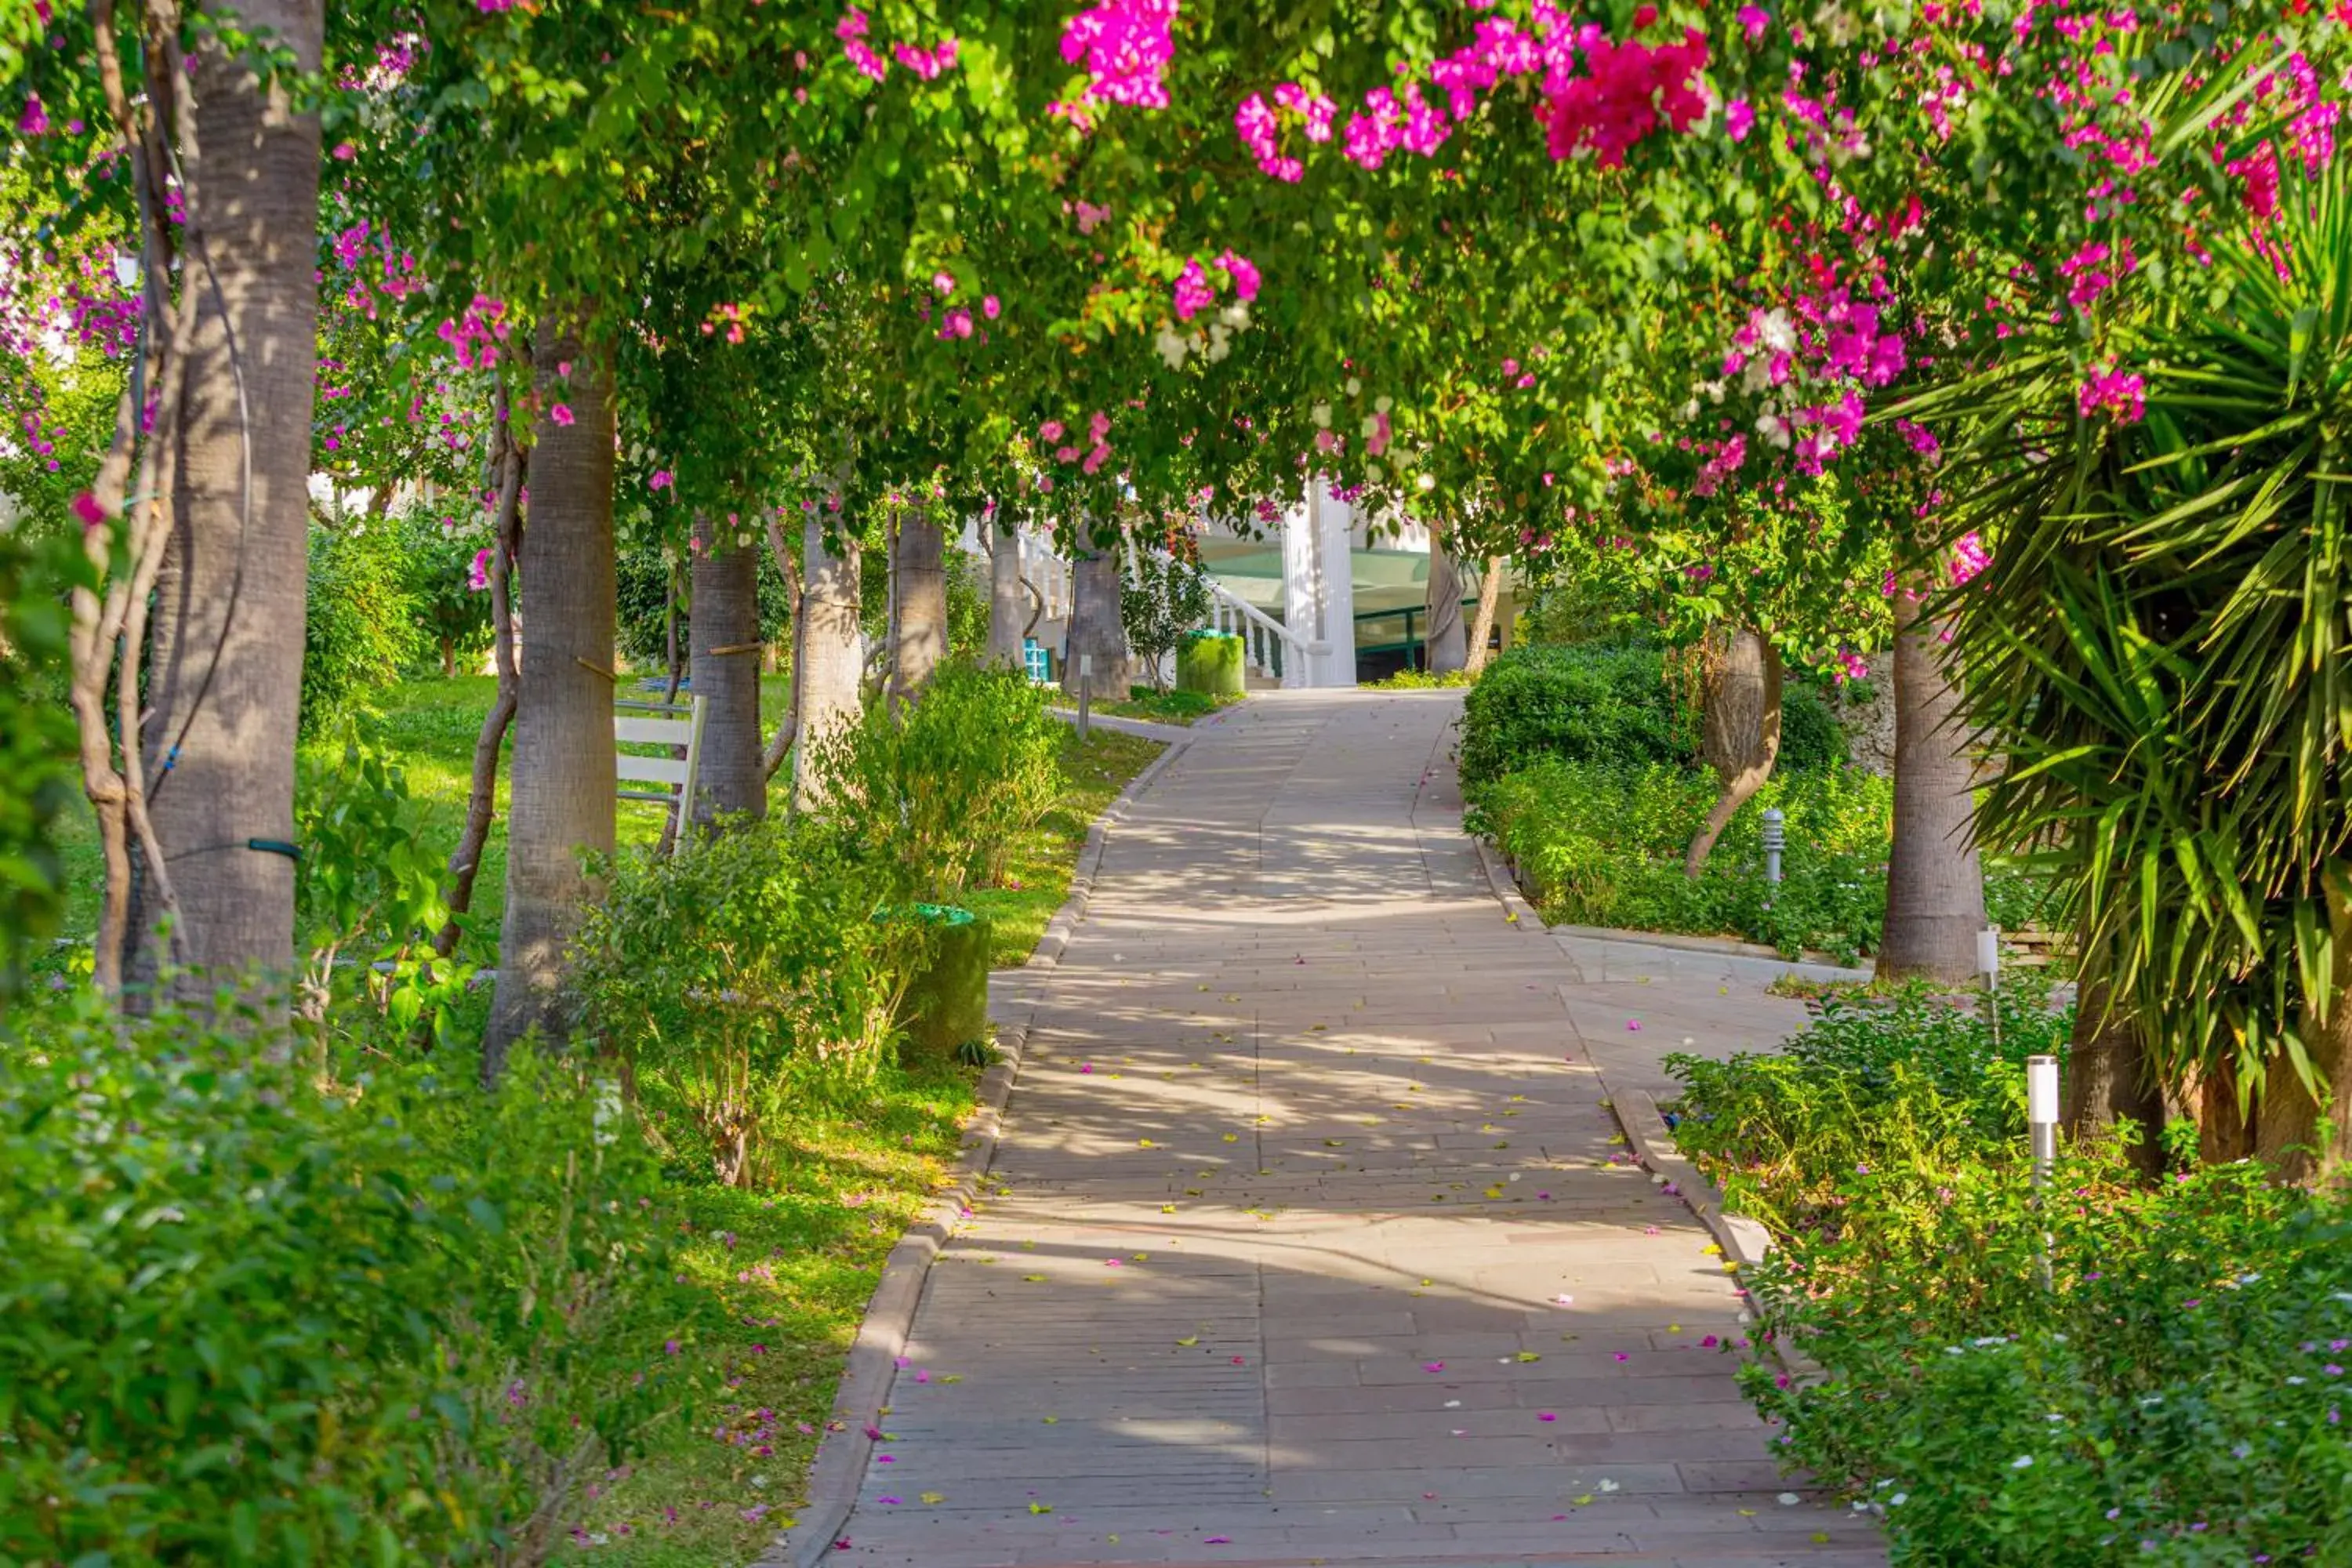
(2162, 639)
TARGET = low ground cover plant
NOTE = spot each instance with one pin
(2175, 1393)
(1579, 764)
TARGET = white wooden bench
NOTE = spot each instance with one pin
(672, 778)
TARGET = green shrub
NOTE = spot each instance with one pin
(249, 1319)
(1601, 844)
(1575, 704)
(1810, 738)
(730, 978)
(439, 549)
(37, 745)
(2173, 1394)
(1211, 664)
(940, 789)
(359, 621)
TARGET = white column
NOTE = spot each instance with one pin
(1335, 555)
(1302, 596)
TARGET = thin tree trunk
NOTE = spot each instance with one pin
(918, 590)
(1935, 879)
(1481, 627)
(828, 667)
(2300, 1138)
(1442, 643)
(1006, 612)
(225, 693)
(564, 791)
(1096, 632)
(1741, 732)
(724, 631)
(482, 793)
(779, 745)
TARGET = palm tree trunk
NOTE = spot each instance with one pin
(2108, 1076)
(1935, 879)
(482, 793)
(226, 678)
(1442, 642)
(1490, 599)
(2303, 1140)
(1741, 734)
(919, 596)
(1006, 608)
(723, 629)
(563, 792)
(829, 664)
(1096, 632)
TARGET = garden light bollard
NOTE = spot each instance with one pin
(1776, 838)
(2041, 1124)
(1085, 690)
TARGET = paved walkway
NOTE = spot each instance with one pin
(1314, 1242)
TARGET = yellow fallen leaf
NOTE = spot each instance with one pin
(1167, 1208)
(1712, 1249)
(1033, 1279)
(1041, 1508)
(1584, 1501)
(935, 1496)
(1053, 1421)
(1233, 1137)
(1525, 1356)
(1142, 1142)
(952, 1377)
(1189, 1343)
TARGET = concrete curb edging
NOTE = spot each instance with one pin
(1744, 1241)
(834, 1477)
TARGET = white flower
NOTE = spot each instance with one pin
(1774, 429)
(1756, 376)
(1899, 1499)
(1427, 482)
(1171, 347)
(1373, 472)
(1790, 1499)
(1354, 386)
(1370, 428)
(1236, 315)
(1383, 403)
(1321, 414)
(2022, 1462)
(1778, 332)
(1221, 342)
(1609, 1485)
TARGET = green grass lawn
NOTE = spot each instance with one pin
(430, 726)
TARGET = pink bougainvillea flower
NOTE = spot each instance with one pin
(86, 507)
(1244, 273)
(2118, 393)
(1753, 20)
(1634, 1023)
(988, 306)
(1193, 294)
(1619, 1356)
(944, 282)
(478, 578)
(1125, 47)
(1546, 1416)
(1739, 119)
(1050, 432)
(1434, 1367)
(561, 413)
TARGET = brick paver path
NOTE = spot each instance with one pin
(1313, 1245)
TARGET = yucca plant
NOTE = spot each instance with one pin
(2161, 643)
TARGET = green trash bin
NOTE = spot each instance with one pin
(1209, 663)
(946, 1006)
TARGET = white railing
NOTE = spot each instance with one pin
(1049, 575)
(1268, 646)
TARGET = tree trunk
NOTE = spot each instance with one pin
(723, 629)
(1740, 733)
(2109, 1078)
(781, 745)
(918, 589)
(1935, 879)
(448, 658)
(2300, 1139)
(225, 685)
(481, 796)
(1490, 599)
(1007, 610)
(1442, 643)
(1096, 632)
(829, 664)
(564, 791)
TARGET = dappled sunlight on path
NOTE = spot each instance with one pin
(1311, 1239)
